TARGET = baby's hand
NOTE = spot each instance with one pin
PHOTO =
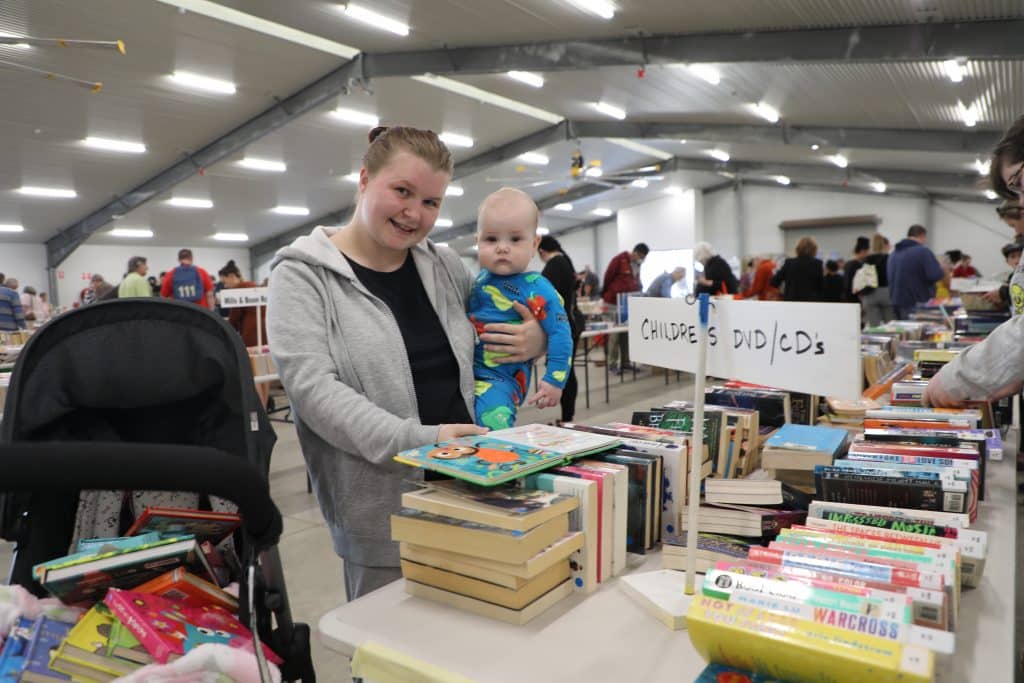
(547, 396)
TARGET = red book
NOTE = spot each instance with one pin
(168, 629)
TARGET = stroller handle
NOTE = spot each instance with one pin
(82, 465)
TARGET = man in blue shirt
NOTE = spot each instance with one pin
(12, 316)
(913, 271)
(662, 285)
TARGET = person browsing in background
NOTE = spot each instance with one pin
(188, 282)
(12, 315)
(507, 240)
(663, 284)
(717, 277)
(994, 368)
(832, 286)
(1001, 295)
(964, 268)
(913, 271)
(559, 271)
(589, 283)
(860, 252)
(801, 278)
(244, 318)
(368, 328)
(622, 276)
(761, 283)
(875, 300)
(135, 283)
(44, 306)
(101, 289)
(747, 276)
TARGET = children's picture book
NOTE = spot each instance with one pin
(46, 635)
(205, 525)
(182, 586)
(84, 653)
(12, 656)
(491, 460)
(723, 673)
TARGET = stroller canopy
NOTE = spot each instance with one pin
(143, 371)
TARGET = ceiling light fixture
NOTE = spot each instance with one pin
(815, 147)
(682, 142)
(190, 203)
(256, 164)
(610, 110)
(535, 158)
(990, 194)
(719, 154)
(443, 223)
(603, 213)
(112, 145)
(956, 69)
(360, 118)
(440, 244)
(131, 232)
(531, 79)
(290, 210)
(50, 192)
(231, 237)
(639, 183)
(969, 117)
(563, 207)
(543, 230)
(674, 190)
(454, 191)
(456, 140)
(878, 186)
(378, 21)
(204, 83)
(983, 167)
(600, 8)
(594, 172)
(352, 177)
(839, 160)
(782, 180)
(706, 72)
(766, 112)
(11, 227)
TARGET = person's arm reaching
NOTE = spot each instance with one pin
(299, 327)
(990, 370)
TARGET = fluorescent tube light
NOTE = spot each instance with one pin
(378, 21)
(454, 191)
(955, 69)
(360, 118)
(610, 110)
(131, 232)
(456, 140)
(51, 192)
(112, 145)
(352, 177)
(706, 72)
(535, 158)
(839, 160)
(204, 83)
(270, 165)
(543, 230)
(782, 180)
(600, 8)
(603, 213)
(530, 79)
(11, 227)
(982, 167)
(564, 206)
(290, 210)
(989, 194)
(878, 186)
(443, 223)
(766, 112)
(719, 154)
(231, 237)
(639, 183)
(190, 203)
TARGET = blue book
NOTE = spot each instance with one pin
(47, 634)
(12, 656)
(813, 439)
(102, 545)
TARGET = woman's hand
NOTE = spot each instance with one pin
(520, 342)
(454, 431)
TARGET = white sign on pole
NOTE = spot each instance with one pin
(240, 298)
(807, 347)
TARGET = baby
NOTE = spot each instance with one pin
(507, 239)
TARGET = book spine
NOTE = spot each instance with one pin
(788, 648)
(881, 491)
(120, 604)
(893, 523)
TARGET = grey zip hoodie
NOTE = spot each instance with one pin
(341, 358)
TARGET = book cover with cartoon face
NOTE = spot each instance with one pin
(481, 460)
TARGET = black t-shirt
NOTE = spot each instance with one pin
(435, 372)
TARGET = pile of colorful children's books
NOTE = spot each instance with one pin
(149, 596)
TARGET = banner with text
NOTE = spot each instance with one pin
(240, 298)
(807, 347)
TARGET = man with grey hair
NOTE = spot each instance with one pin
(135, 283)
(662, 285)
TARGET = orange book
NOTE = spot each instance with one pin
(187, 589)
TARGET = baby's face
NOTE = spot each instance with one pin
(507, 238)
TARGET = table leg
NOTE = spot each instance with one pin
(607, 375)
(586, 370)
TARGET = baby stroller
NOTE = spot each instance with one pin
(140, 395)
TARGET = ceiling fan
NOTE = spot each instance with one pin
(94, 86)
(579, 171)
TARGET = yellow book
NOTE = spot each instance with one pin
(800, 651)
(83, 652)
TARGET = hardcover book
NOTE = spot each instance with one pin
(205, 525)
(46, 635)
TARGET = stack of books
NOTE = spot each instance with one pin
(509, 553)
(792, 453)
(930, 361)
(147, 598)
(739, 451)
(848, 415)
